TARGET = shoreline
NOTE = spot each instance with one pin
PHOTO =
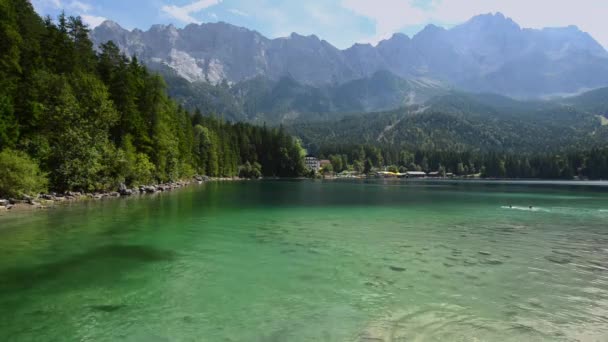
(52, 200)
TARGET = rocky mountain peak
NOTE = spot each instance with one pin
(110, 25)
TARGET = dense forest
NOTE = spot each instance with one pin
(72, 118)
(592, 164)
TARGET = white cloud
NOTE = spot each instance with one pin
(238, 12)
(184, 13)
(321, 15)
(389, 15)
(74, 7)
(92, 20)
(80, 6)
(392, 15)
(46, 4)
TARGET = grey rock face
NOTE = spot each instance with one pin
(489, 53)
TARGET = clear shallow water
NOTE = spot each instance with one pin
(313, 261)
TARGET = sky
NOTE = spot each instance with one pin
(340, 22)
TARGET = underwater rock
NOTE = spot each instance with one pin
(397, 269)
(558, 259)
(469, 263)
(492, 262)
(535, 303)
(107, 308)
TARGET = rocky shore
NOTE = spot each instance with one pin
(44, 201)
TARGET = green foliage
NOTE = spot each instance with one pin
(10, 42)
(220, 147)
(134, 166)
(19, 175)
(338, 163)
(250, 171)
(9, 129)
(96, 121)
(327, 169)
(367, 166)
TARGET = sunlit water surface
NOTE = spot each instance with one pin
(313, 261)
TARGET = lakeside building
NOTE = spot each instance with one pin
(312, 163)
(415, 174)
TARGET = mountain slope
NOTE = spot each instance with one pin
(595, 102)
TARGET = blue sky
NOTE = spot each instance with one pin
(341, 22)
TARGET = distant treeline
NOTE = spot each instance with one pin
(592, 164)
(74, 119)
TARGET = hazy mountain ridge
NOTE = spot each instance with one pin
(285, 100)
(489, 53)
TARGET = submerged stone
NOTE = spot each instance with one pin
(558, 259)
(107, 308)
(492, 262)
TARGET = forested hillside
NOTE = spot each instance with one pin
(466, 122)
(595, 101)
(73, 119)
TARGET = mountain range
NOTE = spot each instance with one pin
(489, 53)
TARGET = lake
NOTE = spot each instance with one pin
(313, 261)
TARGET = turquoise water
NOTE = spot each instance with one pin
(313, 261)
